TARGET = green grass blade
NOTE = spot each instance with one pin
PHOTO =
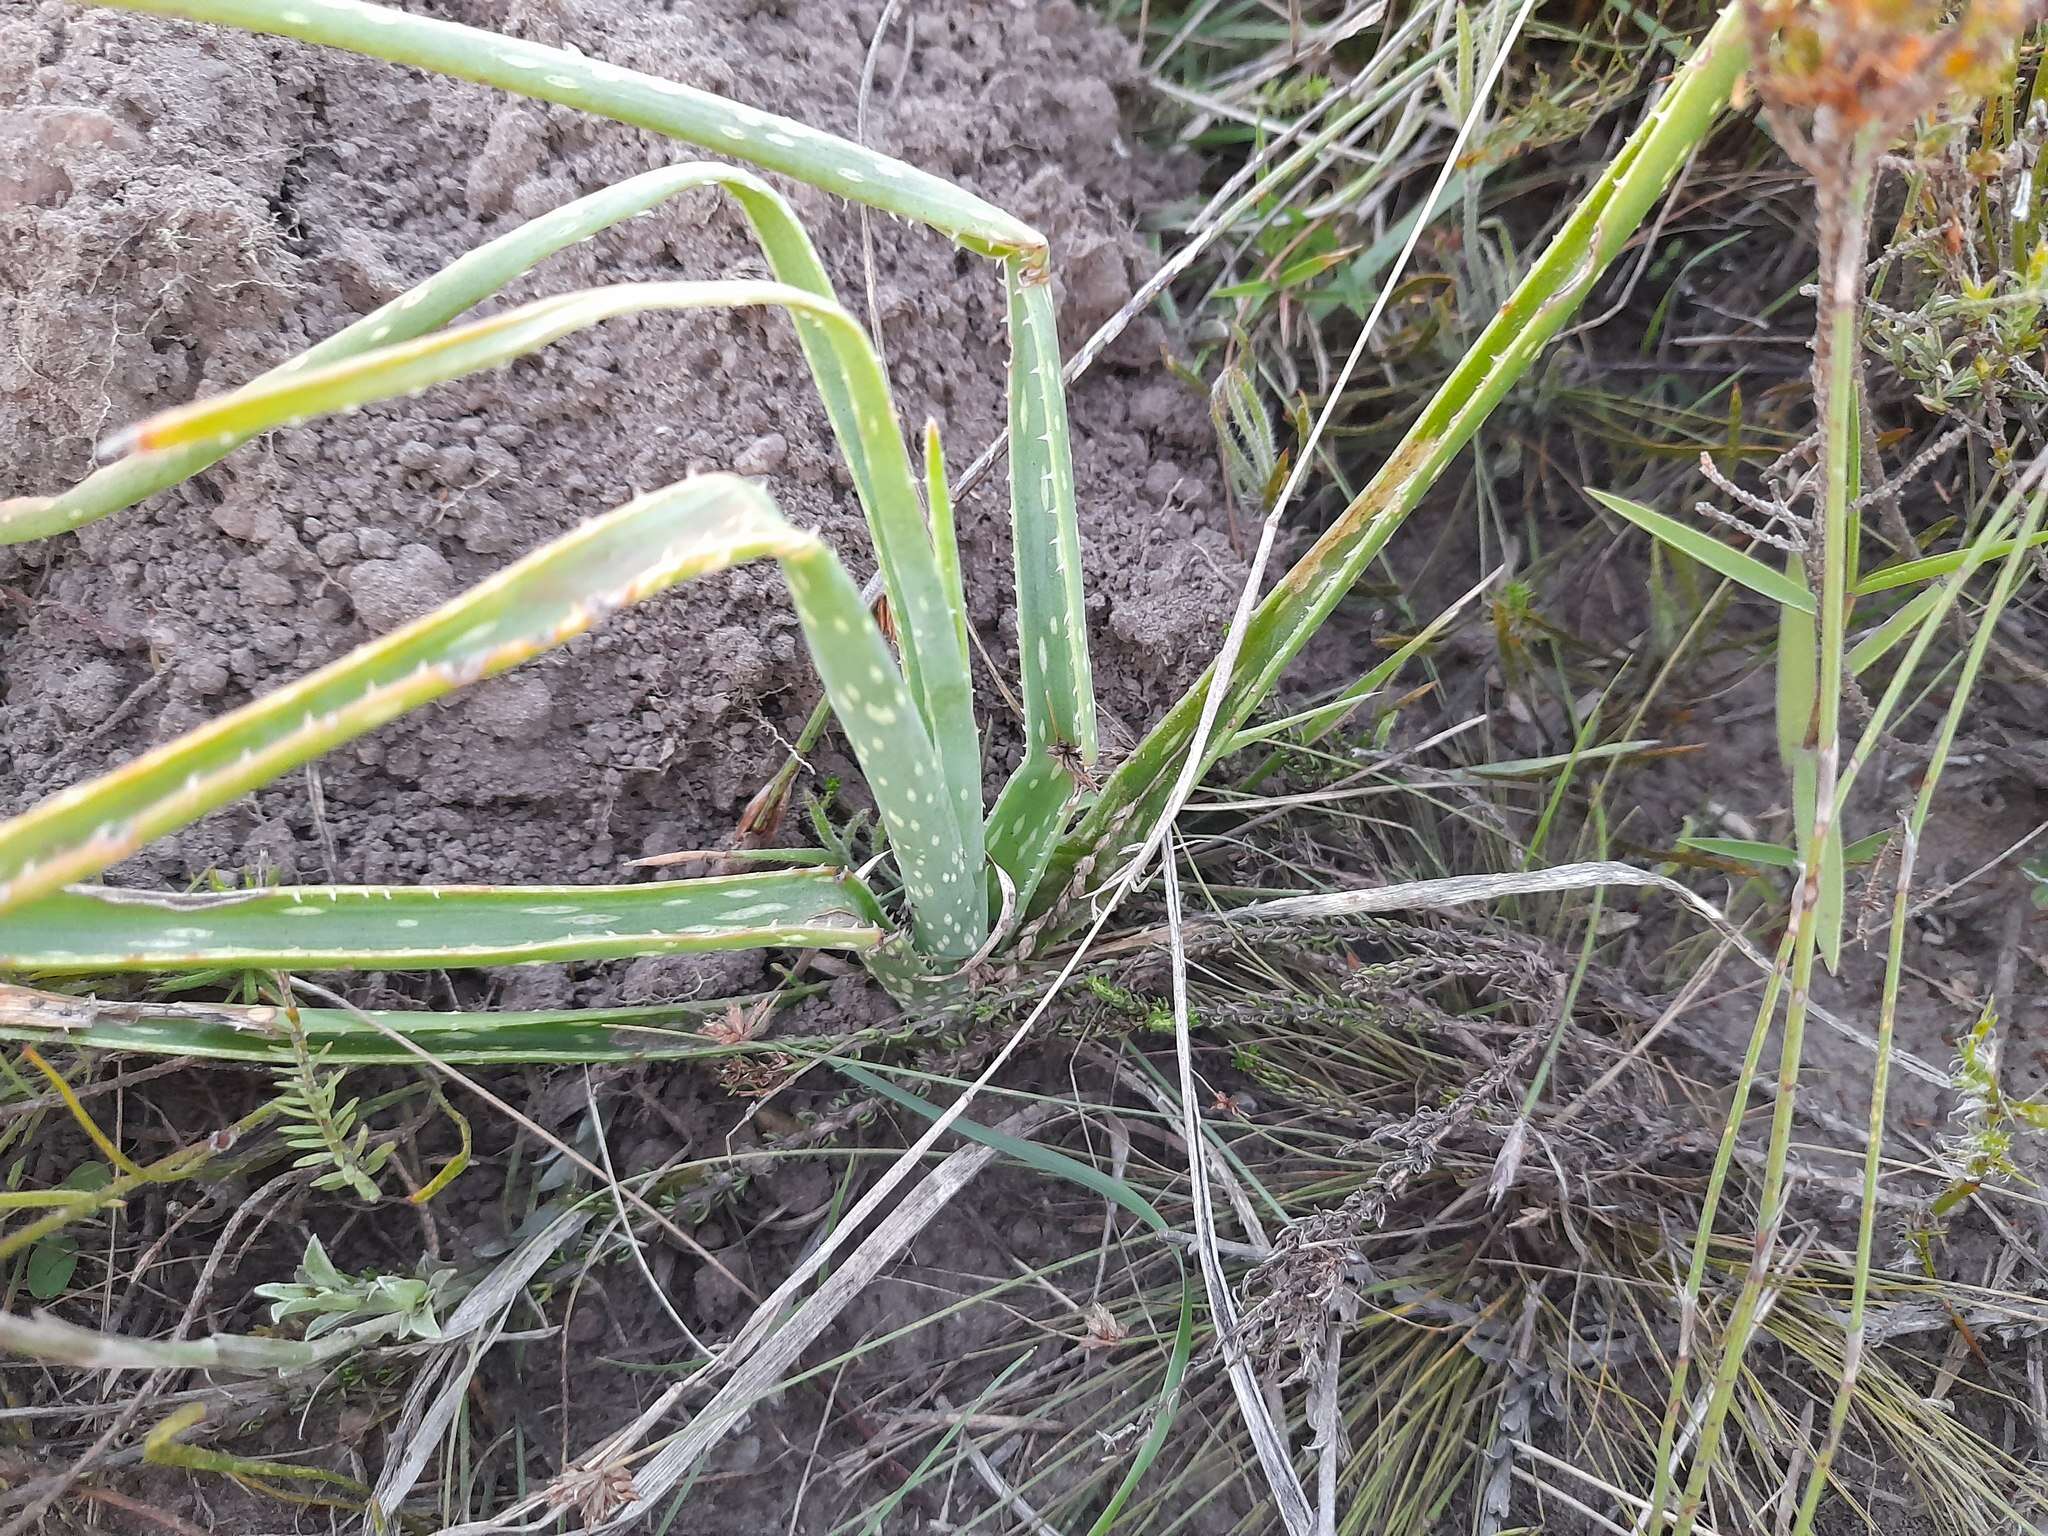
(1555, 762)
(1748, 850)
(230, 1032)
(1777, 855)
(761, 139)
(426, 307)
(1698, 544)
(89, 929)
(1597, 231)
(544, 600)
(1926, 568)
(1798, 692)
(1881, 641)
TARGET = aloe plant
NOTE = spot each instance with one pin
(908, 715)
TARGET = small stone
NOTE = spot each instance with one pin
(452, 465)
(376, 543)
(763, 456)
(268, 588)
(387, 593)
(204, 676)
(518, 708)
(718, 1299)
(1159, 407)
(89, 695)
(248, 519)
(1163, 479)
(488, 528)
(337, 549)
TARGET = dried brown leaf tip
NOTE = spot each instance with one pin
(757, 1077)
(595, 1493)
(1104, 1331)
(737, 1025)
(1857, 70)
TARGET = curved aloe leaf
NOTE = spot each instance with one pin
(88, 929)
(288, 397)
(1597, 231)
(246, 1033)
(1052, 617)
(897, 758)
(451, 291)
(759, 138)
(551, 596)
(1052, 621)
(849, 376)
(1025, 824)
(958, 739)
(889, 726)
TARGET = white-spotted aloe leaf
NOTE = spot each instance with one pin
(897, 757)
(960, 745)
(551, 596)
(90, 929)
(910, 783)
(1597, 231)
(1052, 618)
(458, 287)
(255, 1033)
(1028, 817)
(849, 377)
(570, 79)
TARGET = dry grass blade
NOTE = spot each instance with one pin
(1269, 1439)
(1468, 890)
(753, 1373)
(474, 1325)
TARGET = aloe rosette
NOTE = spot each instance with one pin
(907, 710)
